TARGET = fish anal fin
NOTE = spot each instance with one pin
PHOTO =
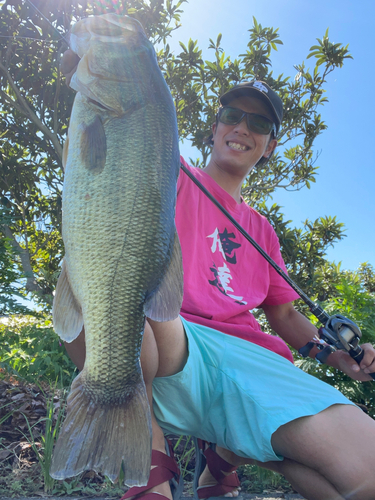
(66, 311)
(165, 303)
(93, 145)
(105, 437)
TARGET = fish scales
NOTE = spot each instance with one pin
(122, 256)
(119, 231)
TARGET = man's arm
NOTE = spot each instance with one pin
(297, 330)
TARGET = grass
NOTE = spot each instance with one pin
(7, 415)
(185, 454)
(44, 451)
(255, 479)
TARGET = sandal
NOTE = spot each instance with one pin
(166, 469)
(217, 466)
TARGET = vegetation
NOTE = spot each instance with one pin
(353, 299)
(30, 417)
(35, 106)
(31, 350)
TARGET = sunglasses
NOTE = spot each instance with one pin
(256, 123)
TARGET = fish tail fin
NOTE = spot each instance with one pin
(105, 437)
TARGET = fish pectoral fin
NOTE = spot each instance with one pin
(105, 437)
(66, 310)
(165, 303)
(94, 146)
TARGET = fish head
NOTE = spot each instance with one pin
(107, 28)
(116, 59)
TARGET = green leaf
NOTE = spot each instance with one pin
(183, 47)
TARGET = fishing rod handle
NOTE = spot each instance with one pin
(357, 354)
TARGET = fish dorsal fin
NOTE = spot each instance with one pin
(66, 311)
(165, 303)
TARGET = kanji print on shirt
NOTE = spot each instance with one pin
(224, 244)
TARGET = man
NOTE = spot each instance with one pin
(212, 373)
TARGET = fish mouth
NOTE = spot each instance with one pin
(111, 26)
(97, 103)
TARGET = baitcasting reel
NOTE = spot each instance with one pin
(339, 333)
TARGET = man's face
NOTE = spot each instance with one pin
(235, 146)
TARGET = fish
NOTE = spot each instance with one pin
(122, 259)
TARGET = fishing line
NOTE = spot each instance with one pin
(62, 37)
(338, 332)
(315, 308)
(26, 38)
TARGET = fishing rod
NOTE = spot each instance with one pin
(337, 332)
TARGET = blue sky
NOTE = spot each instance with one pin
(346, 177)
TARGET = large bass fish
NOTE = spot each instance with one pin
(122, 254)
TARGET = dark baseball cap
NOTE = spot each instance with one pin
(260, 90)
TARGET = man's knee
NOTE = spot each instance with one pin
(338, 442)
(172, 346)
(77, 350)
(149, 355)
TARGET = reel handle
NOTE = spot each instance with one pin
(357, 354)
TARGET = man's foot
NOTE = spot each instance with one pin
(165, 482)
(214, 476)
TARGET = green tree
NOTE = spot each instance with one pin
(35, 108)
(367, 274)
(10, 279)
(353, 300)
(304, 250)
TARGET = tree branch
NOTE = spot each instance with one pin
(10, 101)
(31, 283)
(31, 115)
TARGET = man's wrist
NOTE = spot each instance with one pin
(334, 359)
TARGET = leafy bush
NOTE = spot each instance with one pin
(30, 348)
(356, 302)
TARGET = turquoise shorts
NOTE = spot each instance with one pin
(236, 394)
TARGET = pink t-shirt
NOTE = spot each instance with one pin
(225, 277)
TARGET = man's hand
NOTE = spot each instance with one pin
(297, 330)
(68, 65)
(348, 365)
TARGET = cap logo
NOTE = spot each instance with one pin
(260, 86)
